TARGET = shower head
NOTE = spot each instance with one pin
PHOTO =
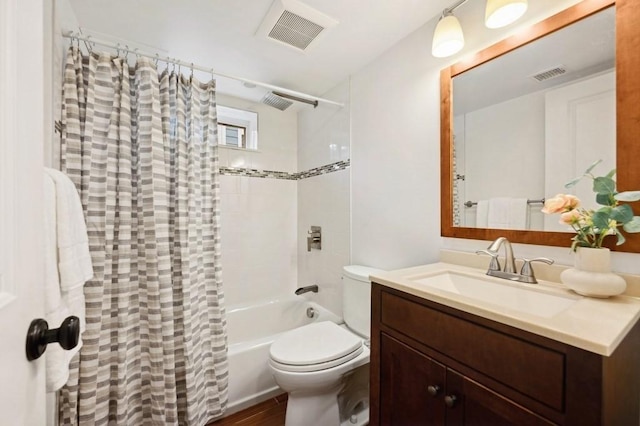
(280, 100)
(276, 101)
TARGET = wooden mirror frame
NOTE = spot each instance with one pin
(627, 118)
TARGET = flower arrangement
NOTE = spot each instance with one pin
(592, 226)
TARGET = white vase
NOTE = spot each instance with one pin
(592, 274)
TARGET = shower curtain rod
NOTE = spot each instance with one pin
(190, 65)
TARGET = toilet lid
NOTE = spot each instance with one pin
(317, 343)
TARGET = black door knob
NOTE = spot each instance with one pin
(39, 336)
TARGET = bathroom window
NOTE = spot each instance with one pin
(232, 136)
(237, 128)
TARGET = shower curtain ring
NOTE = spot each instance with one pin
(126, 55)
(87, 44)
(191, 77)
(118, 50)
(156, 60)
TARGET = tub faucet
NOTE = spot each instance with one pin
(302, 290)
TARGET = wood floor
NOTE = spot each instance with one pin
(267, 413)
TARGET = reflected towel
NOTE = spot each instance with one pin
(508, 213)
(482, 214)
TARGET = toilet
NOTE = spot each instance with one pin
(323, 366)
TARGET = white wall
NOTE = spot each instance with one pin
(396, 155)
(493, 171)
(258, 237)
(324, 138)
(259, 215)
(63, 19)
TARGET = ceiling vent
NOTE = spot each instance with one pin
(550, 73)
(294, 24)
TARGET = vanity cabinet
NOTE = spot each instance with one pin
(435, 365)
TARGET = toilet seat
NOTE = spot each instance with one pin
(314, 347)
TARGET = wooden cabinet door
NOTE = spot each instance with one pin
(476, 405)
(405, 379)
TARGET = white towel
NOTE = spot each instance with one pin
(482, 214)
(63, 300)
(74, 259)
(508, 213)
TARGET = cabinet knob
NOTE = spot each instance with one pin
(450, 400)
(433, 390)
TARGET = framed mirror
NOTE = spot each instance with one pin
(486, 148)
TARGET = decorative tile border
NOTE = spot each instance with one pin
(235, 171)
(322, 170)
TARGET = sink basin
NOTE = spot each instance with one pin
(511, 296)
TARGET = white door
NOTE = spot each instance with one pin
(22, 389)
(580, 129)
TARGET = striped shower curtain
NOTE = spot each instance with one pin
(142, 151)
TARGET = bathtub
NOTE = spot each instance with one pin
(251, 329)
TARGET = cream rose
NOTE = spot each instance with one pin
(571, 217)
(560, 203)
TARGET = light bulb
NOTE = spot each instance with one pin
(500, 13)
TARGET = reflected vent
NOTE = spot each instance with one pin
(550, 73)
(276, 101)
(295, 30)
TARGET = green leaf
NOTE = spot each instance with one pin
(604, 185)
(591, 167)
(628, 196)
(611, 174)
(622, 213)
(573, 182)
(604, 200)
(601, 219)
(633, 225)
(621, 238)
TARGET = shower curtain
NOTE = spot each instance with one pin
(142, 151)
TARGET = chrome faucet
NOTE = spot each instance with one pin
(509, 261)
(526, 274)
(302, 290)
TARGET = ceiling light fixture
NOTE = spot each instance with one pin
(448, 38)
(500, 13)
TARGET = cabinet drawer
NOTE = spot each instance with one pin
(530, 369)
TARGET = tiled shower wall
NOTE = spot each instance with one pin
(258, 215)
(269, 199)
(324, 138)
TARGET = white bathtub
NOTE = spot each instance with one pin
(251, 329)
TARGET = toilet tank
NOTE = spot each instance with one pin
(356, 298)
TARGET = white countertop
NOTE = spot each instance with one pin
(595, 325)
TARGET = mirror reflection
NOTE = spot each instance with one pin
(529, 121)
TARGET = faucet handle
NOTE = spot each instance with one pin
(494, 265)
(527, 269)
